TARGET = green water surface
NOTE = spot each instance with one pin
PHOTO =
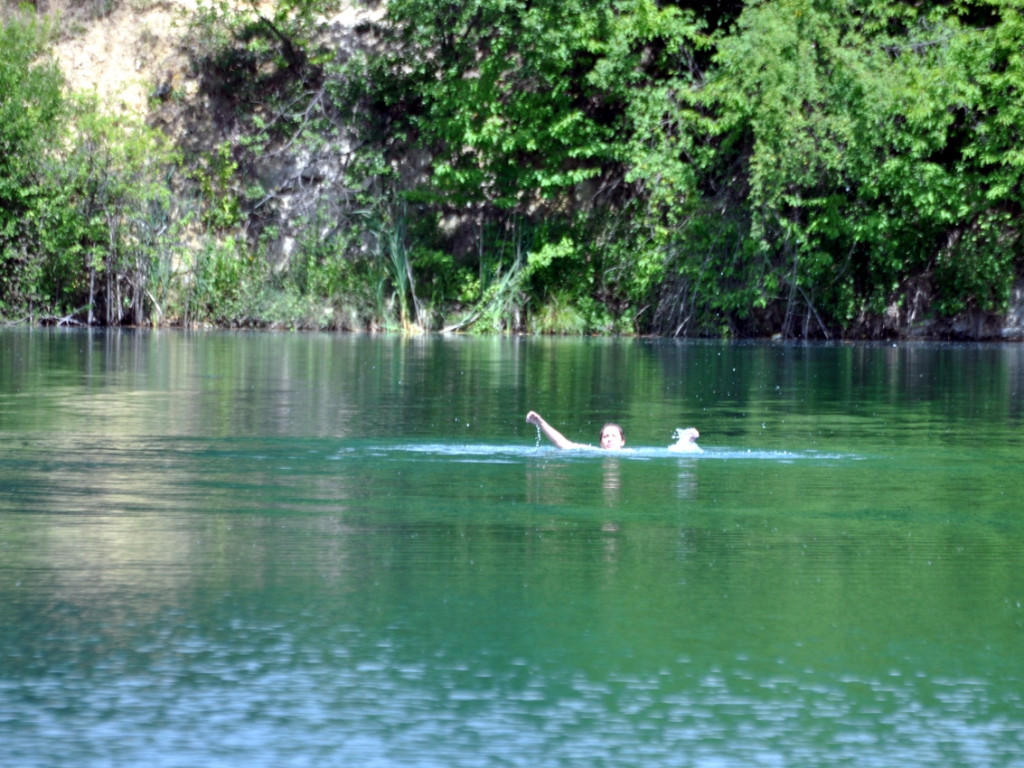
(262, 549)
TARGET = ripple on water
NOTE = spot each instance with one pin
(507, 453)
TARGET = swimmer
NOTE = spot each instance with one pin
(612, 436)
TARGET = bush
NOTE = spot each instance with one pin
(31, 111)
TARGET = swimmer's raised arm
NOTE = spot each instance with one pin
(550, 432)
(612, 437)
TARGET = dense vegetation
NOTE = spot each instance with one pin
(813, 168)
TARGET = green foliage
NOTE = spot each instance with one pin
(85, 212)
(848, 130)
(215, 174)
(390, 260)
(559, 315)
(496, 89)
(117, 171)
(803, 167)
(441, 281)
(798, 171)
(31, 106)
(238, 37)
(975, 270)
(651, 69)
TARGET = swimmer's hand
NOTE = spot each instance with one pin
(552, 434)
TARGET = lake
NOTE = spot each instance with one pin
(258, 549)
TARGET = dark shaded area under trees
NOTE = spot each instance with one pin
(807, 169)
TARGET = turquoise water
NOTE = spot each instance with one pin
(288, 550)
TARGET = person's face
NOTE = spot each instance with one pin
(611, 438)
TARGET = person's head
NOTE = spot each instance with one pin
(612, 437)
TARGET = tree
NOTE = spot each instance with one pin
(31, 106)
(112, 223)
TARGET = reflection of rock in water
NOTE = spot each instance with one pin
(686, 484)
